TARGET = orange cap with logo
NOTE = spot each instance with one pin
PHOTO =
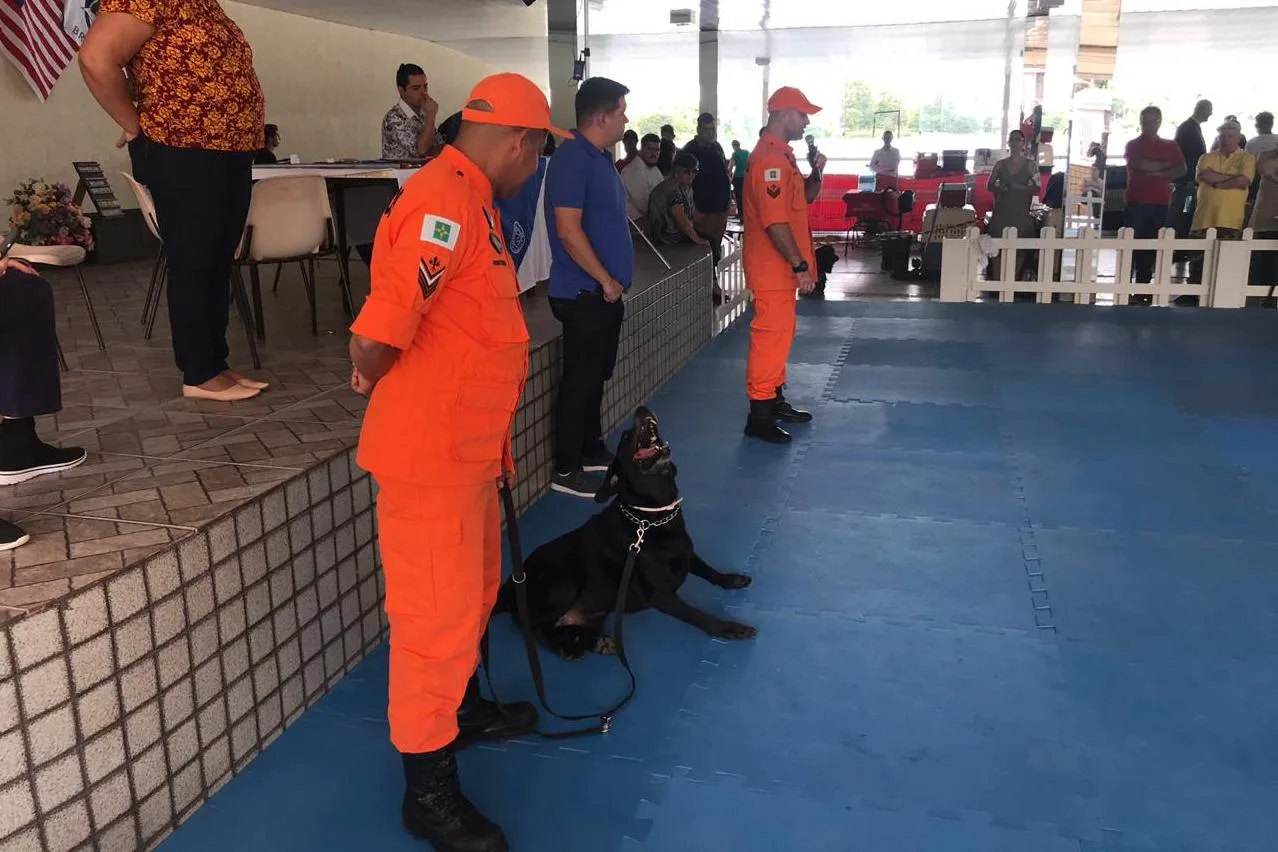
(788, 97)
(513, 101)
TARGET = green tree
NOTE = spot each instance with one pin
(685, 127)
(858, 109)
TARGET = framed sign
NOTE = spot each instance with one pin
(94, 184)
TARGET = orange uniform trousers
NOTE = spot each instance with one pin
(771, 335)
(441, 554)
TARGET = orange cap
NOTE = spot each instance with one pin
(788, 97)
(516, 102)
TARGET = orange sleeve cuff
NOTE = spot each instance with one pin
(386, 322)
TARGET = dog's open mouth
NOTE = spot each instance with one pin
(648, 443)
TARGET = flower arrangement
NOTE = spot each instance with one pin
(42, 214)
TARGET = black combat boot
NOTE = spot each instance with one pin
(787, 413)
(479, 719)
(762, 423)
(436, 811)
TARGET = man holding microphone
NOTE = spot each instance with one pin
(778, 259)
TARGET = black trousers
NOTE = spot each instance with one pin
(591, 335)
(1264, 264)
(30, 384)
(1146, 220)
(201, 199)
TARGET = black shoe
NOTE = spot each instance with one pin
(479, 719)
(24, 456)
(596, 461)
(11, 536)
(787, 413)
(436, 811)
(762, 424)
(577, 483)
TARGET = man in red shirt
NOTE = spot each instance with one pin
(1152, 164)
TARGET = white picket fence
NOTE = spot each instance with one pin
(735, 295)
(1089, 268)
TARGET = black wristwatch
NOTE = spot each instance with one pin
(802, 267)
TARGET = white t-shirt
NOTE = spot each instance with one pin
(1262, 142)
(886, 161)
(639, 179)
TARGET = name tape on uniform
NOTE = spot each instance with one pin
(440, 231)
(772, 175)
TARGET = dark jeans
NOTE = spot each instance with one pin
(1264, 264)
(1146, 220)
(591, 334)
(201, 200)
(30, 384)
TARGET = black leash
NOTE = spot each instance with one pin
(522, 616)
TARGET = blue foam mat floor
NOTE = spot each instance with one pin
(1016, 588)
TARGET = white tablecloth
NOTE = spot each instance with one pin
(334, 172)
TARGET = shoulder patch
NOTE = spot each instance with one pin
(429, 274)
(440, 231)
(772, 175)
(774, 190)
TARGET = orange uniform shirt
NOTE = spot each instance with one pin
(445, 292)
(194, 76)
(774, 195)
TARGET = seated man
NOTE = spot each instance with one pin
(30, 385)
(671, 214)
(641, 176)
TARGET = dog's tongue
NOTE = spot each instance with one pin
(645, 453)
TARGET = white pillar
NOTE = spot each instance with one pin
(561, 53)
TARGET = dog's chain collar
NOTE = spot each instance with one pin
(642, 525)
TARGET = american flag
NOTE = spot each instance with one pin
(33, 37)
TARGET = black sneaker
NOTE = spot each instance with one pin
(577, 483)
(37, 459)
(12, 535)
(597, 462)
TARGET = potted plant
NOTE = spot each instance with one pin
(43, 214)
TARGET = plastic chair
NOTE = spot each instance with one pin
(160, 273)
(160, 270)
(62, 257)
(290, 221)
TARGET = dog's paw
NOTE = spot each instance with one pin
(606, 645)
(570, 641)
(735, 630)
(736, 581)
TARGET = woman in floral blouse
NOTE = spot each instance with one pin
(192, 135)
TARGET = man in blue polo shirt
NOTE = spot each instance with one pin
(592, 265)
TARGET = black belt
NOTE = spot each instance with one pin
(519, 579)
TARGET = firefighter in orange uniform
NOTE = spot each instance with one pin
(442, 349)
(778, 259)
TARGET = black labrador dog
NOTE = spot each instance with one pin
(573, 580)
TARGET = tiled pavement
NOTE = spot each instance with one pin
(160, 466)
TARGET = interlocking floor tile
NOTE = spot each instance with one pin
(942, 486)
(937, 572)
(910, 426)
(935, 385)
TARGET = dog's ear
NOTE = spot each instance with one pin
(611, 483)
